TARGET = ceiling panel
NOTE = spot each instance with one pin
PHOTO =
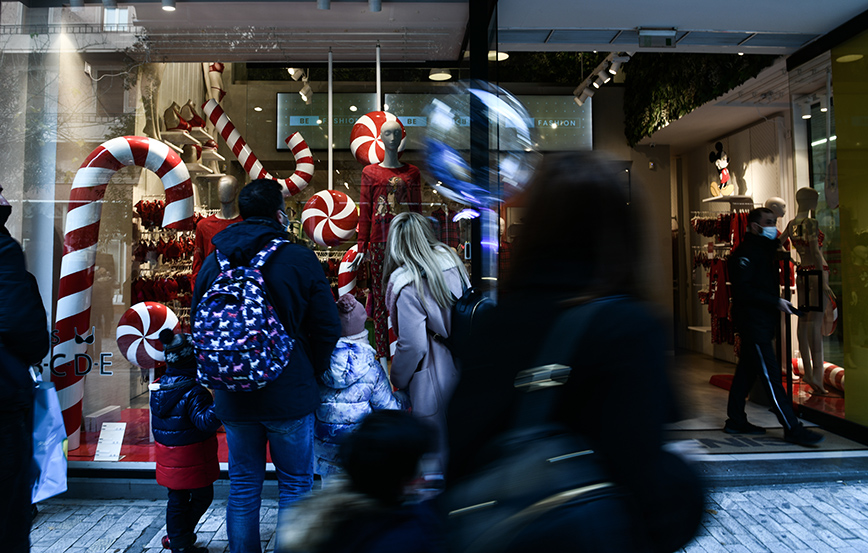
(582, 35)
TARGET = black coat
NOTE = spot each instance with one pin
(182, 411)
(301, 296)
(24, 338)
(753, 273)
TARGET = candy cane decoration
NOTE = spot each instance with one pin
(80, 242)
(346, 276)
(833, 375)
(303, 156)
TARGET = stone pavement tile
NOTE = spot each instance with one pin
(726, 520)
(98, 513)
(861, 533)
(721, 535)
(97, 531)
(217, 546)
(794, 499)
(750, 541)
(769, 540)
(798, 531)
(846, 520)
(706, 544)
(826, 523)
(155, 541)
(204, 538)
(212, 519)
(832, 539)
(49, 537)
(220, 534)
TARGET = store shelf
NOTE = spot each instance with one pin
(699, 328)
(197, 168)
(200, 134)
(178, 149)
(729, 200)
(179, 137)
(211, 155)
(212, 176)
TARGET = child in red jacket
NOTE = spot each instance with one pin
(185, 429)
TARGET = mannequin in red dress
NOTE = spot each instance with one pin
(388, 188)
(227, 191)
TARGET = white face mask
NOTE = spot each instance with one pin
(769, 232)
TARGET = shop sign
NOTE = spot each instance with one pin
(82, 363)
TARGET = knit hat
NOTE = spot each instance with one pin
(178, 349)
(352, 315)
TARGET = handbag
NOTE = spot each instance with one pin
(49, 444)
(546, 487)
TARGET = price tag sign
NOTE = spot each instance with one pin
(111, 438)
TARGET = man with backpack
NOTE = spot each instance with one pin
(279, 413)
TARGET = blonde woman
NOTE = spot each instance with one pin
(423, 278)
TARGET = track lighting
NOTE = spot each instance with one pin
(583, 97)
(306, 92)
(440, 75)
(375, 5)
(617, 61)
(598, 82)
(600, 75)
(169, 5)
(295, 73)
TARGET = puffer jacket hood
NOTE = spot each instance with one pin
(172, 390)
(350, 362)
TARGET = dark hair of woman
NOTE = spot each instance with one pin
(382, 455)
(580, 234)
(260, 198)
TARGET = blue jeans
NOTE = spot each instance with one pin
(291, 445)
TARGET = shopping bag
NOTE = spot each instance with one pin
(49, 444)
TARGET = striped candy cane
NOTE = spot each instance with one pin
(80, 244)
(303, 157)
(833, 375)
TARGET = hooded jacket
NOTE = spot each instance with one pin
(184, 427)
(301, 296)
(24, 335)
(354, 385)
(753, 272)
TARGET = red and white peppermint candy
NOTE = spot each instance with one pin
(303, 156)
(346, 276)
(329, 217)
(138, 333)
(365, 141)
(81, 232)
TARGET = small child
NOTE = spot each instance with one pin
(185, 429)
(354, 385)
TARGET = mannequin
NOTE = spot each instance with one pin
(227, 191)
(388, 188)
(777, 205)
(151, 76)
(216, 91)
(804, 232)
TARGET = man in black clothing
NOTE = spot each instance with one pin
(756, 307)
(24, 340)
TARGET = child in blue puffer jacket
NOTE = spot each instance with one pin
(354, 385)
(185, 429)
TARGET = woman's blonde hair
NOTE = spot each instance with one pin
(411, 244)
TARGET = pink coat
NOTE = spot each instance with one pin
(422, 365)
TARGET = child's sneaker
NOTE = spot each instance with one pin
(165, 542)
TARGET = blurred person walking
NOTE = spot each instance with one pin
(280, 415)
(756, 309)
(24, 341)
(579, 256)
(353, 386)
(424, 278)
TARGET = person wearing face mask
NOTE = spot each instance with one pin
(24, 341)
(756, 304)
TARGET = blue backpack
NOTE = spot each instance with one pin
(240, 343)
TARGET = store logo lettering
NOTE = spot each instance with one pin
(79, 368)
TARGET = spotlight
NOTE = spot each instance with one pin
(440, 75)
(606, 76)
(583, 97)
(169, 5)
(295, 73)
(306, 93)
(375, 5)
(824, 104)
(598, 82)
(803, 110)
(496, 55)
(617, 61)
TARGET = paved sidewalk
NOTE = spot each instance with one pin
(815, 517)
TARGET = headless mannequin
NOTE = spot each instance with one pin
(387, 189)
(227, 191)
(151, 76)
(778, 206)
(803, 231)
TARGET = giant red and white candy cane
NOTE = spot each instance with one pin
(346, 275)
(833, 375)
(80, 244)
(303, 156)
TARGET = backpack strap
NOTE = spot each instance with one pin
(260, 258)
(223, 261)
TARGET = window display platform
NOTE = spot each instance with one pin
(830, 404)
(137, 446)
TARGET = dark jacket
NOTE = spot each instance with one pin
(301, 296)
(24, 338)
(184, 427)
(618, 396)
(753, 272)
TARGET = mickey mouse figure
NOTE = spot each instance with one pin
(721, 161)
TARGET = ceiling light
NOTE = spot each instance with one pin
(741, 53)
(168, 5)
(295, 73)
(583, 97)
(803, 109)
(257, 108)
(440, 75)
(617, 61)
(306, 93)
(606, 76)
(375, 5)
(848, 58)
(824, 104)
(598, 82)
(353, 108)
(496, 55)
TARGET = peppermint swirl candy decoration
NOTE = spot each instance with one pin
(329, 217)
(138, 333)
(365, 141)
(347, 277)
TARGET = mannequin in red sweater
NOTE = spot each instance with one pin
(388, 188)
(227, 191)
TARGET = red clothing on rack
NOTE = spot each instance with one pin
(206, 229)
(385, 193)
